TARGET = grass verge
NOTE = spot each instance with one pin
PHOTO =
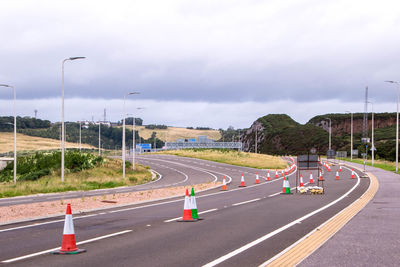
(259, 161)
(107, 175)
(382, 164)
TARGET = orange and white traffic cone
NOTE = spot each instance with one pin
(257, 178)
(340, 169)
(68, 244)
(224, 187)
(337, 175)
(311, 179)
(353, 176)
(276, 174)
(301, 181)
(242, 181)
(321, 178)
(285, 171)
(268, 177)
(284, 186)
(187, 209)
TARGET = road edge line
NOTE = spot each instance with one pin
(306, 246)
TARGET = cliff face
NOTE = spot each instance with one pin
(341, 123)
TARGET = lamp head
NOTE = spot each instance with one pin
(74, 58)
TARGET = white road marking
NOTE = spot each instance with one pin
(178, 218)
(53, 249)
(37, 224)
(277, 231)
(245, 202)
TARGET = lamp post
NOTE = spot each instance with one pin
(351, 136)
(133, 139)
(62, 120)
(373, 145)
(330, 132)
(15, 130)
(80, 136)
(99, 137)
(123, 134)
(397, 124)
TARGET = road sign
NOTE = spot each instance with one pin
(331, 154)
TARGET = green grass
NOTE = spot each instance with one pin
(382, 164)
(252, 160)
(107, 175)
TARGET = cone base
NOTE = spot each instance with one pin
(60, 252)
(241, 186)
(223, 190)
(194, 220)
(286, 193)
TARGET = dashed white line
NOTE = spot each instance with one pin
(175, 219)
(53, 249)
(245, 202)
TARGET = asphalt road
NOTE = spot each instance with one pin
(240, 227)
(165, 176)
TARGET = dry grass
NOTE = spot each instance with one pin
(173, 133)
(106, 176)
(26, 142)
(260, 161)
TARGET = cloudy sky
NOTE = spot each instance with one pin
(199, 63)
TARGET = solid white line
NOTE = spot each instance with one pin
(53, 249)
(277, 231)
(245, 202)
(174, 219)
(37, 224)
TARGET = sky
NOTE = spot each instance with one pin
(211, 63)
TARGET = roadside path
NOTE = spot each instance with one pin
(372, 237)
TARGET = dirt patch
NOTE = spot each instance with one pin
(34, 210)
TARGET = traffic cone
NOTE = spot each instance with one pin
(337, 175)
(321, 178)
(68, 244)
(268, 177)
(353, 176)
(187, 212)
(340, 169)
(287, 189)
(282, 173)
(301, 180)
(224, 187)
(276, 174)
(242, 181)
(285, 171)
(257, 179)
(193, 205)
(284, 186)
(311, 179)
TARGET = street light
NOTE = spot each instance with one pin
(123, 134)
(397, 124)
(351, 136)
(373, 145)
(62, 120)
(15, 131)
(330, 132)
(133, 138)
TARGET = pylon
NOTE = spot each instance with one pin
(285, 171)
(282, 173)
(284, 186)
(193, 205)
(321, 178)
(268, 177)
(287, 189)
(301, 180)
(257, 179)
(242, 181)
(224, 187)
(353, 176)
(337, 175)
(187, 212)
(276, 174)
(311, 179)
(68, 244)
(340, 169)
